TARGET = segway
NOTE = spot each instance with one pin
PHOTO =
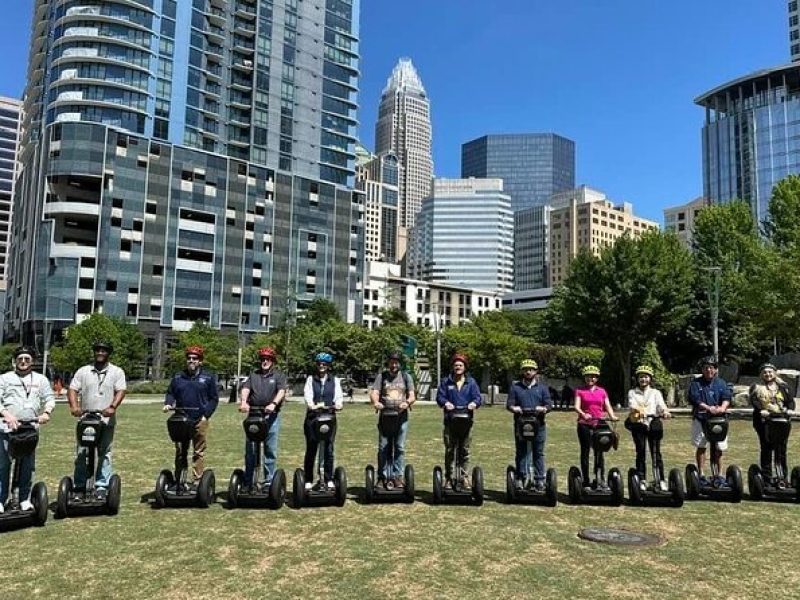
(172, 488)
(526, 427)
(778, 486)
(323, 427)
(602, 490)
(460, 425)
(21, 443)
(658, 491)
(389, 423)
(731, 487)
(260, 493)
(72, 502)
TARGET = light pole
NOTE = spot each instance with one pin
(438, 326)
(713, 300)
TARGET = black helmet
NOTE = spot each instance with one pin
(709, 360)
(102, 345)
(24, 350)
(394, 356)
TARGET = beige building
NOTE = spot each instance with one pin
(680, 219)
(586, 218)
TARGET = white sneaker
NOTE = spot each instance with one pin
(2, 508)
(664, 486)
(308, 486)
(643, 486)
(331, 486)
(25, 505)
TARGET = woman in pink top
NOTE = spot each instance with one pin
(591, 404)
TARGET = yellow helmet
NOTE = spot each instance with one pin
(528, 363)
(590, 370)
(646, 369)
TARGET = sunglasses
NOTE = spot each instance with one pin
(24, 358)
(193, 358)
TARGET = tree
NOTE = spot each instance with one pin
(782, 225)
(393, 316)
(75, 350)
(319, 311)
(220, 351)
(622, 299)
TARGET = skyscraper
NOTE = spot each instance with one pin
(464, 236)
(404, 129)
(10, 118)
(794, 30)
(533, 166)
(378, 177)
(185, 161)
(531, 248)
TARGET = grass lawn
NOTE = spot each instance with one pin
(712, 549)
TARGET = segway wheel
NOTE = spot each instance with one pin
(734, 476)
(39, 500)
(477, 485)
(634, 493)
(692, 482)
(277, 489)
(369, 484)
(574, 485)
(64, 493)
(755, 482)
(795, 482)
(298, 488)
(676, 487)
(235, 487)
(511, 480)
(163, 482)
(410, 487)
(114, 495)
(616, 486)
(438, 486)
(551, 487)
(340, 481)
(205, 489)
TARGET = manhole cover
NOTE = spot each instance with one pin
(620, 537)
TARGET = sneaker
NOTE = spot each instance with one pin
(643, 486)
(101, 493)
(309, 486)
(448, 484)
(539, 486)
(381, 482)
(663, 486)
(465, 481)
(519, 484)
(720, 481)
(2, 508)
(26, 505)
(399, 483)
(704, 481)
(331, 486)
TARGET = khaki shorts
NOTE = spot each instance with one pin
(699, 438)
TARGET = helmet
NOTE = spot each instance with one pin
(197, 350)
(395, 355)
(646, 369)
(24, 350)
(528, 363)
(709, 360)
(103, 345)
(324, 357)
(459, 357)
(267, 352)
(766, 366)
(590, 370)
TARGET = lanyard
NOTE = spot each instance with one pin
(26, 387)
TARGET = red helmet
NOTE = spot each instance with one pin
(197, 350)
(267, 352)
(459, 357)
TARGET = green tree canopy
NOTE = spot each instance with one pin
(220, 351)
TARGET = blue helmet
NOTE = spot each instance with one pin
(324, 357)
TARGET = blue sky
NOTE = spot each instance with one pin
(617, 76)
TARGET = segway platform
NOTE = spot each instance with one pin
(324, 426)
(22, 442)
(731, 487)
(778, 487)
(260, 494)
(602, 490)
(526, 428)
(457, 492)
(383, 489)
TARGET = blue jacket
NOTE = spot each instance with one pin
(712, 393)
(197, 395)
(448, 392)
(529, 397)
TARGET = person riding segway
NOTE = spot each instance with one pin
(459, 396)
(26, 402)
(594, 432)
(192, 397)
(323, 397)
(647, 409)
(529, 401)
(392, 395)
(773, 409)
(710, 398)
(94, 396)
(262, 397)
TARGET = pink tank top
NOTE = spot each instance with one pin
(592, 402)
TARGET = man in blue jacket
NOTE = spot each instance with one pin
(528, 394)
(195, 391)
(457, 390)
(708, 395)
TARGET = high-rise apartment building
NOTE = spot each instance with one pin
(680, 219)
(404, 129)
(749, 136)
(464, 236)
(533, 166)
(585, 218)
(378, 178)
(187, 161)
(531, 247)
(10, 120)
(794, 29)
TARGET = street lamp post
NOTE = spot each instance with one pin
(713, 300)
(438, 325)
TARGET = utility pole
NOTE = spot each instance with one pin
(713, 301)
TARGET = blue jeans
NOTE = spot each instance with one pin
(388, 468)
(27, 465)
(527, 452)
(270, 457)
(102, 471)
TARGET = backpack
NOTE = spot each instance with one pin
(406, 381)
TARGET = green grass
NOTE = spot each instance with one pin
(712, 549)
